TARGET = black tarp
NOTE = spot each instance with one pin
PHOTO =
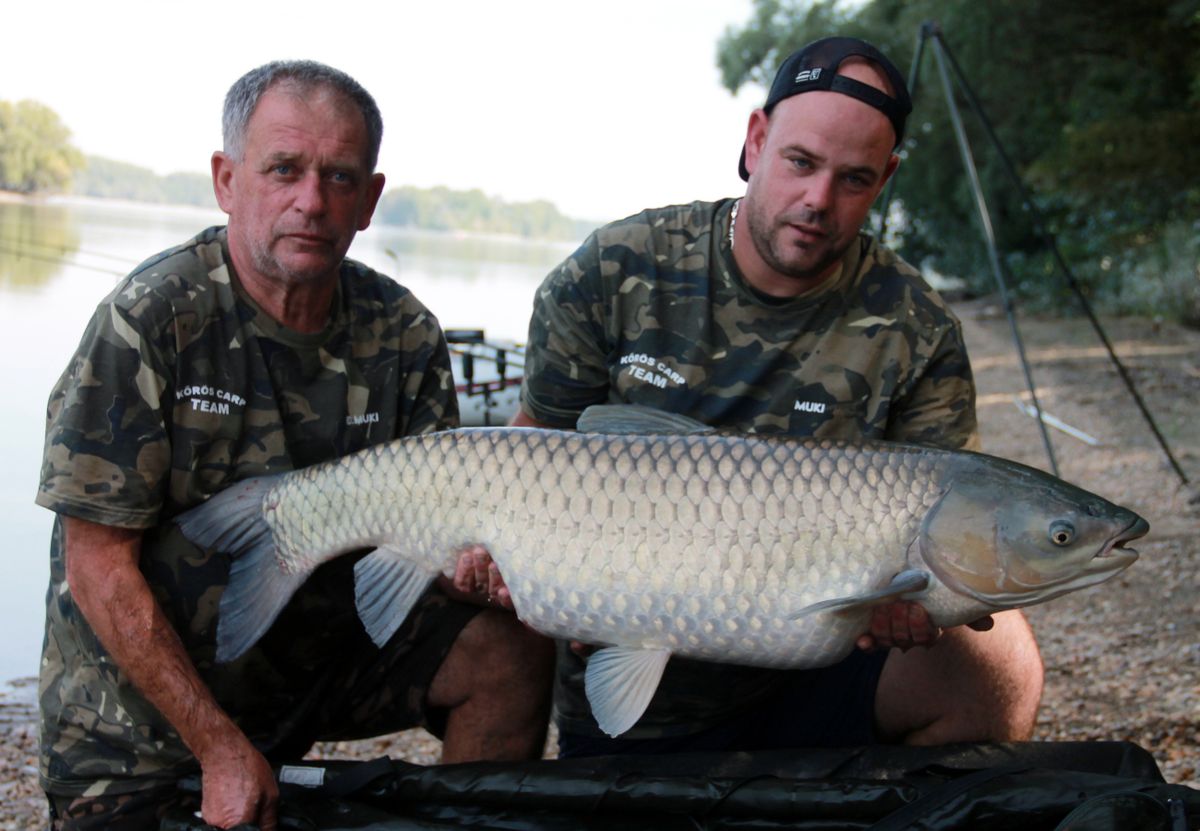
(1026, 786)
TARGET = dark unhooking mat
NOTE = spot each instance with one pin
(1081, 786)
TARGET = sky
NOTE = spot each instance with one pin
(604, 107)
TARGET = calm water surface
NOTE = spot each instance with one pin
(58, 260)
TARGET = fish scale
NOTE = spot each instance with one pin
(652, 536)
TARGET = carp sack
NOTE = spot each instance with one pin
(653, 535)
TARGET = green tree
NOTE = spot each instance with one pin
(35, 149)
(189, 189)
(109, 179)
(1096, 103)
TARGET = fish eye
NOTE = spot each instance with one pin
(1061, 532)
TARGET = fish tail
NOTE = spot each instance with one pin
(233, 522)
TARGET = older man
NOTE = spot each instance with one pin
(250, 349)
(773, 313)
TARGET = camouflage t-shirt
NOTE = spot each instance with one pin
(653, 310)
(181, 386)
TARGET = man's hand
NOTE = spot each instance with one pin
(102, 572)
(238, 785)
(905, 624)
(476, 574)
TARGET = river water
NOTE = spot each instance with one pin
(58, 259)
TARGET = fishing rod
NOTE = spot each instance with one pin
(469, 346)
(67, 249)
(31, 255)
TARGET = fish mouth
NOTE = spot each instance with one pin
(1115, 555)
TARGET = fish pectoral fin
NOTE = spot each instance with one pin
(634, 418)
(386, 587)
(620, 682)
(906, 582)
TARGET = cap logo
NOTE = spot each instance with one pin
(808, 75)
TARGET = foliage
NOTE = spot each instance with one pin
(109, 179)
(35, 149)
(189, 189)
(443, 209)
(1096, 104)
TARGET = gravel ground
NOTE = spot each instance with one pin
(1122, 659)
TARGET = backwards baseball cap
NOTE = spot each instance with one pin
(814, 67)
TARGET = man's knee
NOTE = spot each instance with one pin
(971, 686)
(496, 683)
(498, 654)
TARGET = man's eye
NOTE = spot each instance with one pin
(802, 164)
(282, 169)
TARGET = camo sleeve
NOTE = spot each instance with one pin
(566, 368)
(107, 453)
(940, 408)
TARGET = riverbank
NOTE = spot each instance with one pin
(1122, 659)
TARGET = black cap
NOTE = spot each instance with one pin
(815, 66)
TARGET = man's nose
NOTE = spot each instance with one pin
(310, 195)
(818, 194)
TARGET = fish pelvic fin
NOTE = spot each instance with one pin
(636, 419)
(232, 522)
(620, 681)
(386, 587)
(905, 583)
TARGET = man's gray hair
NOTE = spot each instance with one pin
(245, 93)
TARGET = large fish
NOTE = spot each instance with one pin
(655, 536)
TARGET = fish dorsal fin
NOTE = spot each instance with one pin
(620, 682)
(634, 418)
(386, 587)
(905, 583)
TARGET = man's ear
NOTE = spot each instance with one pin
(892, 164)
(222, 178)
(374, 191)
(756, 138)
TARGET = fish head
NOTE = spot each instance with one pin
(1008, 535)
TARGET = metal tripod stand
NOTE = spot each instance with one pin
(931, 32)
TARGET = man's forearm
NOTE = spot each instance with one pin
(112, 594)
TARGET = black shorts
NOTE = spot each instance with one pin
(375, 691)
(829, 707)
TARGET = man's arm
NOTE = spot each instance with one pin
(111, 592)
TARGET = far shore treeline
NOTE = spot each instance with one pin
(37, 157)
(1095, 105)
(431, 209)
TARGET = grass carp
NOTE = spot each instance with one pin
(653, 535)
